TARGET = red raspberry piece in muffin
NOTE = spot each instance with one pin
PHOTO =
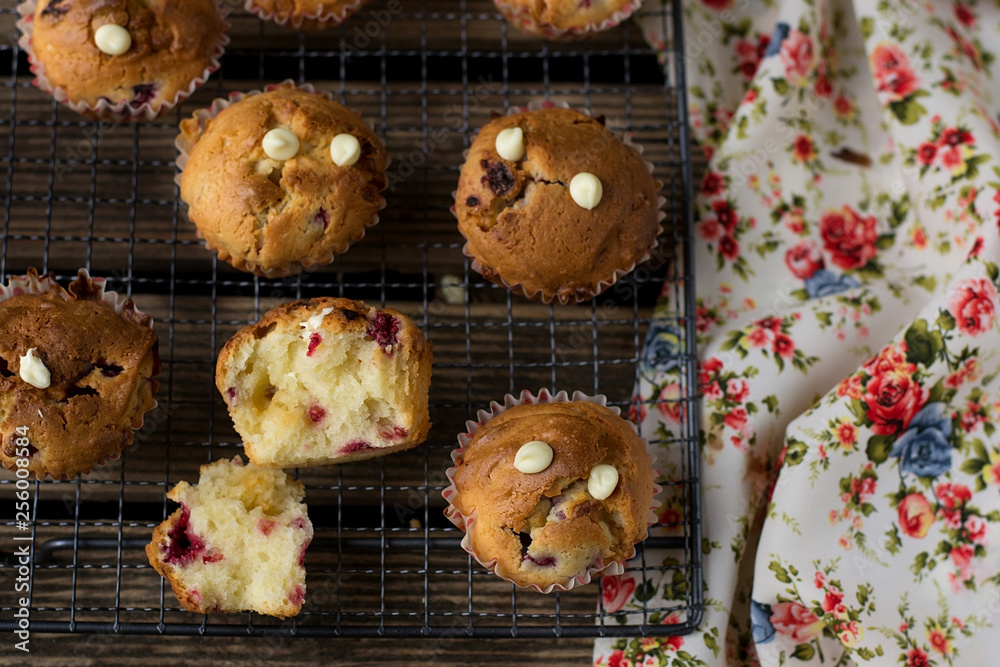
(237, 543)
(327, 381)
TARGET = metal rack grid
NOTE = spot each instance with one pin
(384, 561)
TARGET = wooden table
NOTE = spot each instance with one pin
(103, 196)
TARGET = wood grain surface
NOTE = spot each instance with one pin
(426, 73)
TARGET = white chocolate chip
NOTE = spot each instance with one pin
(586, 190)
(280, 144)
(345, 149)
(34, 372)
(452, 289)
(602, 481)
(510, 144)
(112, 39)
(316, 320)
(532, 457)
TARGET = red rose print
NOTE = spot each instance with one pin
(977, 247)
(726, 215)
(848, 237)
(915, 515)
(746, 49)
(803, 148)
(965, 15)
(926, 153)
(669, 403)
(851, 386)
(892, 71)
(975, 527)
(729, 248)
(770, 323)
(759, 337)
(890, 359)
(711, 391)
(973, 305)
(713, 365)
(737, 390)
(712, 184)
(797, 55)
(615, 592)
(847, 434)
(843, 106)
(784, 346)
(952, 496)
(833, 597)
(823, 87)
(962, 555)
(736, 419)
(674, 642)
(795, 621)
(617, 658)
(717, 5)
(893, 399)
(954, 136)
(804, 259)
(916, 658)
(710, 229)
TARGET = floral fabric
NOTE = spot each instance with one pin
(846, 257)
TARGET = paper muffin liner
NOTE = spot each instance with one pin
(86, 288)
(318, 20)
(104, 109)
(602, 285)
(183, 153)
(465, 521)
(520, 17)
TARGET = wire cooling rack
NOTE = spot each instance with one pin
(384, 561)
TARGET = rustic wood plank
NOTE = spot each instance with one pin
(104, 195)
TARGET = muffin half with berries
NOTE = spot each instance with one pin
(325, 381)
(237, 543)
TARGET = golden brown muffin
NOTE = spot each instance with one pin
(237, 543)
(174, 44)
(523, 227)
(305, 14)
(274, 217)
(546, 528)
(555, 19)
(327, 381)
(101, 364)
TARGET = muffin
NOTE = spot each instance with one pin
(553, 205)
(304, 14)
(76, 374)
(326, 381)
(280, 181)
(122, 59)
(550, 493)
(558, 19)
(237, 543)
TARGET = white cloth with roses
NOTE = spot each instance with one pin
(846, 256)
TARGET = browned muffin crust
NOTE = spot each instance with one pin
(297, 12)
(173, 43)
(270, 217)
(509, 504)
(523, 226)
(101, 365)
(566, 14)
